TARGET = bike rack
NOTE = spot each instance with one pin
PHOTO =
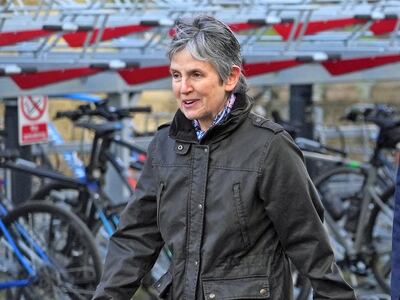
(59, 46)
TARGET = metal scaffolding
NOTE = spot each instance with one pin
(56, 46)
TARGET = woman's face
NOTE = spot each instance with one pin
(198, 89)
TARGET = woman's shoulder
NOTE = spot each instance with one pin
(262, 122)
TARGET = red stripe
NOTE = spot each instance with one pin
(340, 67)
(243, 26)
(34, 80)
(315, 26)
(383, 26)
(9, 38)
(142, 75)
(253, 69)
(77, 39)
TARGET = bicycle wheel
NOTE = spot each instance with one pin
(77, 199)
(73, 268)
(379, 236)
(63, 193)
(341, 192)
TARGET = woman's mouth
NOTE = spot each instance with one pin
(189, 103)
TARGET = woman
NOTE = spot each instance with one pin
(226, 190)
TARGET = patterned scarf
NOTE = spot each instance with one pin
(219, 118)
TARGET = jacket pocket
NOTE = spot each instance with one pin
(163, 286)
(241, 214)
(159, 193)
(254, 287)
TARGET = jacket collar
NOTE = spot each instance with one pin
(182, 128)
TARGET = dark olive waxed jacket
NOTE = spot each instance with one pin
(232, 209)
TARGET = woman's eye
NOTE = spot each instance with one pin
(176, 76)
(196, 75)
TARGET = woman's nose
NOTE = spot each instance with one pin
(186, 87)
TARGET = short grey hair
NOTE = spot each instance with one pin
(209, 39)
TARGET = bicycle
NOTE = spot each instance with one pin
(46, 251)
(80, 196)
(102, 215)
(359, 206)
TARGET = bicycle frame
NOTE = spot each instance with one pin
(138, 154)
(333, 159)
(77, 166)
(91, 186)
(99, 154)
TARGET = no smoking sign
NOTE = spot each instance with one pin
(33, 119)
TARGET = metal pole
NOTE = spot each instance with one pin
(114, 187)
(301, 109)
(301, 115)
(20, 186)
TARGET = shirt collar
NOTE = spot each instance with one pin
(219, 118)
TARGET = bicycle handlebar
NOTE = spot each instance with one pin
(380, 114)
(103, 110)
(382, 122)
(72, 115)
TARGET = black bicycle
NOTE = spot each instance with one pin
(88, 199)
(359, 198)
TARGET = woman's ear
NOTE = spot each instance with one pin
(233, 78)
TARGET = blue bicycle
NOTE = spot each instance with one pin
(46, 252)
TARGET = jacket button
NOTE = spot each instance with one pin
(180, 147)
(211, 296)
(205, 150)
(263, 291)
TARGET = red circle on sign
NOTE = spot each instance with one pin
(38, 109)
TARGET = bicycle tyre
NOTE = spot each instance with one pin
(338, 176)
(44, 192)
(75, 262)
(381, 272)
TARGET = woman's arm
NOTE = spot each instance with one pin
(134, 247)
(293, 205)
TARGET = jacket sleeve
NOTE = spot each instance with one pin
(293, 205)
(135, 246)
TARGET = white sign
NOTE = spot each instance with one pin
(33, 119)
